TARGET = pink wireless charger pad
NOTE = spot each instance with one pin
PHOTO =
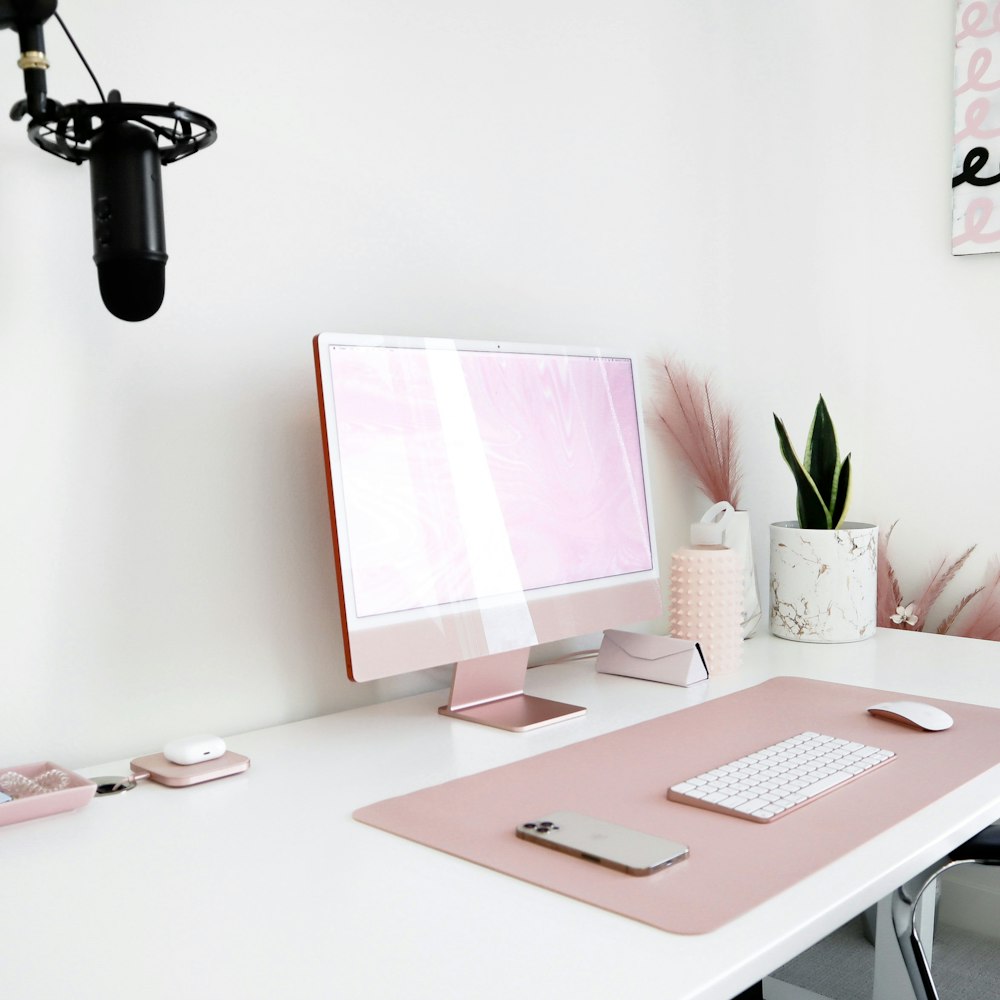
(161, 770)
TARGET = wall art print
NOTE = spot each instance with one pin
(976, 170)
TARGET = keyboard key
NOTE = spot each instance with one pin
(825, 784)
(733, 801)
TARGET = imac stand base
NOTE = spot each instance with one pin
(490, 690)
(516, 714)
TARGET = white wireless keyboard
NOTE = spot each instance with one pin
(780, 778)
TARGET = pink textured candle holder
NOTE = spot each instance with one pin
(706, 604)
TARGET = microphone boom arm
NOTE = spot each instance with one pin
(26, 17)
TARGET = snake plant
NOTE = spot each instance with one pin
(822, 480)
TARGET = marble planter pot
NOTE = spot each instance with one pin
(823, 583)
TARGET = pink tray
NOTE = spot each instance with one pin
(77, 793)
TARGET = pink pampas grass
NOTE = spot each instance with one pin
(699, 432)
(940, 578)
(976, 615)
(890, 594)
(982, 620)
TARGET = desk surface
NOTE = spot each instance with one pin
(262, 885)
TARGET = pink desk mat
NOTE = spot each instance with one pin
(734, 865)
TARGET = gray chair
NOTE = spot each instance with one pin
(983, 849)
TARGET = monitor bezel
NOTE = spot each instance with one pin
(643, 602)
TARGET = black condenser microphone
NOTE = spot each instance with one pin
(126, 192)
(126, 145)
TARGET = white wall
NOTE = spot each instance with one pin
(762, 187)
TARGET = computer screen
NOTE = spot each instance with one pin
(485, 498)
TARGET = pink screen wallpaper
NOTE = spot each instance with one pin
(472, 475)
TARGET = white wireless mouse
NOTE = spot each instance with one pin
(915, 714)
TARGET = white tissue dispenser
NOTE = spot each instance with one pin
(651, 658)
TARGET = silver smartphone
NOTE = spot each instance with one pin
(605, 843)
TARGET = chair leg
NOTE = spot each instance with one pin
(904, 904)
(892, 979)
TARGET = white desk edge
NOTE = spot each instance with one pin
(262, 885)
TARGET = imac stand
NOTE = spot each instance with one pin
(490, 690)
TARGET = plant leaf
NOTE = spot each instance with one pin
(841, 494)
(821, 459)
(813, 513)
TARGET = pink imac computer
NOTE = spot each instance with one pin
(485, 498)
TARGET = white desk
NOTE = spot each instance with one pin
(262, 886)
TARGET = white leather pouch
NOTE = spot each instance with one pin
(651, 658)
